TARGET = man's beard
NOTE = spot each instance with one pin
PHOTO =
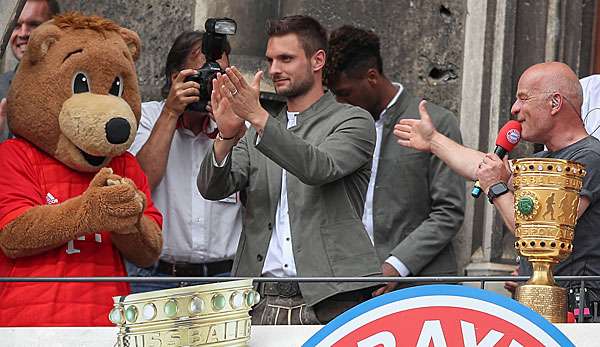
(297, 88)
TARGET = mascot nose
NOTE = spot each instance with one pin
(117, 130)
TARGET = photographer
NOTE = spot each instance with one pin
(200, 236)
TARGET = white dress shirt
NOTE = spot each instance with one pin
(195, 230)
(279, 261)
(368, 212)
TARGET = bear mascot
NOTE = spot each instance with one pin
(72, 200)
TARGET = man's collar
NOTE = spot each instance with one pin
(324, 101)
(209, 127)
(394, 99)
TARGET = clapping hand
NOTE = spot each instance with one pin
(229, 124)
(243, 97)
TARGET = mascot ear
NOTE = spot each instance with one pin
(41, 40)
(134, 44)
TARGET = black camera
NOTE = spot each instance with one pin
(214, 42)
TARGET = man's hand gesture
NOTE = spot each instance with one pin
(230, 125)
(416, 133)
(244, 97)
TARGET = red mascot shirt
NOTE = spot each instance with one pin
(28, 178)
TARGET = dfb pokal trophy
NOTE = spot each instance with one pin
(546, 201)
(214, 315)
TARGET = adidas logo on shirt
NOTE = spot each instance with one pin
(50, 199)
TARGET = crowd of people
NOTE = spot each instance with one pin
(354, 177)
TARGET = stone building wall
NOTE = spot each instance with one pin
(157, 22)
(421, 40)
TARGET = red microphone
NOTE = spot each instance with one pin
(508, 137)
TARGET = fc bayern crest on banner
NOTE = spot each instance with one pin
(439, 316)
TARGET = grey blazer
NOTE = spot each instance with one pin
(418, 201)
(328, 159)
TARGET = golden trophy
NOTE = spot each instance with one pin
(546, 201)
(213, 315)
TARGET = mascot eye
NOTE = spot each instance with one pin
(117, 87)
(80, 83)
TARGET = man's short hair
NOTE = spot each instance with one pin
(352, 51)
(53, 7)
(180, 50)
(311, 33)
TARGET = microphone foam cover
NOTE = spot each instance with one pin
(509, 136)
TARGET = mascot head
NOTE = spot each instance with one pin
(75, 94)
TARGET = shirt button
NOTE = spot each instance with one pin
(259, 257)
(287, 238)
(285, 265)
(270, 226)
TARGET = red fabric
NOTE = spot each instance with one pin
(29, 178)
(205, 127)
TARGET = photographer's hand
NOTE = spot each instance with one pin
(182, 93)
(153, 155)
(244, 98)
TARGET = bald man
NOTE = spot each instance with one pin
(548, 101)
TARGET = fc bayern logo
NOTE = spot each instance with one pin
(440, 316)
(513, 136)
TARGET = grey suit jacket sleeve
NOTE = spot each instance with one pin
(216, 183)
(341, 153)
(447, 194)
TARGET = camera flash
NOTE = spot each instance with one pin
(224, 26)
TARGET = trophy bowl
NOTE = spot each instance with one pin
(546, 201)
(215, 314)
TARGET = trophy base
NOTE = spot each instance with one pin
(548, 301)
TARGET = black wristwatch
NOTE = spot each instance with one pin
(496, 190)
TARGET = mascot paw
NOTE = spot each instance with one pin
(113, 203)
(139, 196)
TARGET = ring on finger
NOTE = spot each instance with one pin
(235, 91)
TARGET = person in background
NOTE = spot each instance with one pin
(199, 236)
(590, 108)
(415, 203)
(34, 13)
